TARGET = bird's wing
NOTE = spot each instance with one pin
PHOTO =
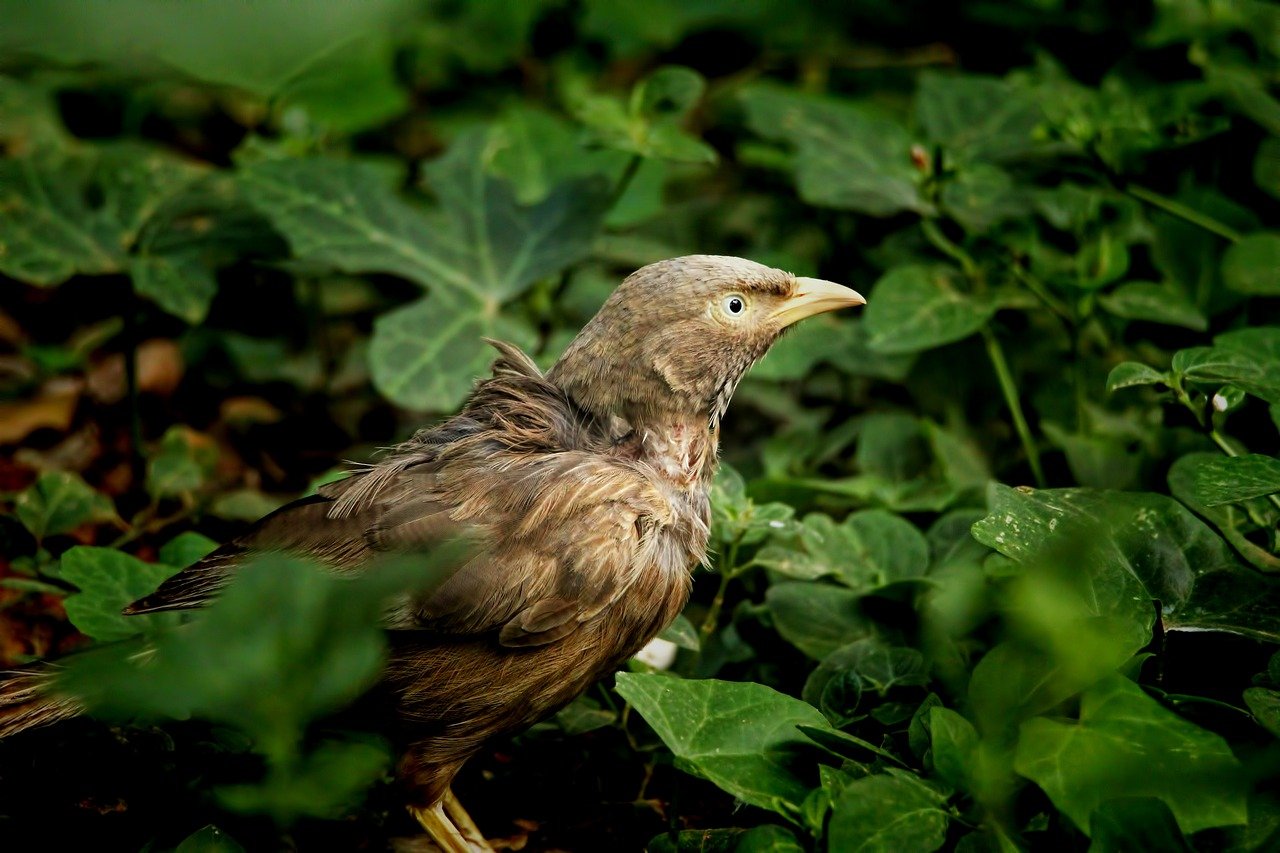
(403, 517)
(557, 540)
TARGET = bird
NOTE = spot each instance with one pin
(586, 491)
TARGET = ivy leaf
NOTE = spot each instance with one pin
(886, 813)
(1252, 265)
(110, 580)
(917, 307)
(869, 550)
(1131, 548)
(480, 242)
(740, 736)
(872, 665)
(49, 231)
(1127, 745)
(59, 502)
(846, 156)
(426, 355)
(1135, 824)
(1156, 303)
(186, 548)
(954, 742)
(982, 196)
(816, 618)
(682, 632)
(1223, 480)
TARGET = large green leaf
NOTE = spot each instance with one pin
(110, 580)
(59, 502)
(868, 550)
(426, 355)
(888, 813)
(918, 307)
(741, 736)
(846, 155)
(1132, 547)
(50, 230)
(1126, 745)
(480, 241)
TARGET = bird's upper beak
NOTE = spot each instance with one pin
(814, 296)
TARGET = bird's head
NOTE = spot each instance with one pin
(676, 336)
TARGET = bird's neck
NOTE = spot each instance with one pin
(681, 448)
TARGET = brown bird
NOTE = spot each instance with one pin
(587, 491)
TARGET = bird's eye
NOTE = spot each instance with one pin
(734, 305)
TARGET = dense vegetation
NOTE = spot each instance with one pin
(994, 561)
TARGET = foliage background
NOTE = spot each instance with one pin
(995, 559)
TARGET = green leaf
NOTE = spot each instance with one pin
(889, 812)
(186, 548)
(1126, 745)
(869, 550)
(978, 118)
(954, 741)
(682, 633)
(109, 581)
(740, 736)
(426, 355)
(1265, 706)
(1222, 480)
(846, 155)
(49, 231)
(981, 197)
(1266, 166)
(1252, 265)
(917, 307)
(816, 618)
(1156, 303)
(863, 666)
(1129, 374)
(265, 677)
(480, 242)
(1134, 826)
(59, 502)
(649, 124)
(183, 464)
(1131, 547)
(1247, 358)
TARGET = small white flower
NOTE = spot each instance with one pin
(1220, 402)
(659, 653)
(776, 525)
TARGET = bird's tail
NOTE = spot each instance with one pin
(28, 700)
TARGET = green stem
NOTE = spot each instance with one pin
(1180, 210)
(945, 245)
(1011, 398)
(624, 181)
(712, 620)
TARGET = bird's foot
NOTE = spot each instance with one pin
(450, 827)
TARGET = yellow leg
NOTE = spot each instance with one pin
(441, 829)
(465, 825)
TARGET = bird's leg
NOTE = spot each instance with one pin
(465, 825)
(441, 829)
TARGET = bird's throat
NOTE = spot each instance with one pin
(681, 449)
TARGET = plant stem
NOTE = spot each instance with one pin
(1187, 214)
(1011, 398)
(712, 620)
(624, 181)
(944, 244)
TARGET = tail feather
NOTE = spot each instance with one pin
(28, 700)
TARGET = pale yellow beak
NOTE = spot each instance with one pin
(815, 296)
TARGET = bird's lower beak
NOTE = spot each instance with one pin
(815, 296)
